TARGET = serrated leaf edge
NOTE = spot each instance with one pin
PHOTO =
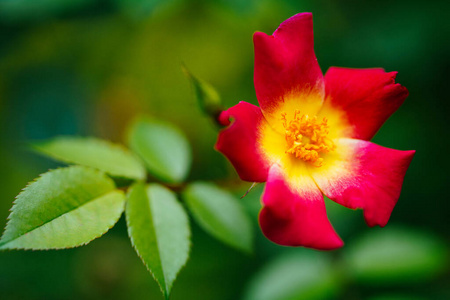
(12, 209)
(4, 243)
(130, 235)
(130, 228)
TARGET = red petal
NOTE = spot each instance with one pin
(368, 176)
(239, 141)
(296, 217)
(285, 62)
(367, 96)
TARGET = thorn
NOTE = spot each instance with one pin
(253, 185)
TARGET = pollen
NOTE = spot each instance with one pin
(306, 137)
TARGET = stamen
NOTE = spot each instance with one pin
(306, 137)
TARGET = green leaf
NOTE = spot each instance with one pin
(159, 231)
(396, 255)
(218, 212)
(91, 152)
(207, 97)
(163, 147)
(302, 274)
(63, 208)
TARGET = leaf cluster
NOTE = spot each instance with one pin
(71, 206)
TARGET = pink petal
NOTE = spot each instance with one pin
(285, 62)
(366, 176)
(296, 216)
(367, 96)
(239, 141)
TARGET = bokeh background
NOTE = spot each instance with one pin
(87, 67)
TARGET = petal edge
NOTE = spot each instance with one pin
(296, 218)
(368, 97)
(285, 62)
(239, 141)
(368, 176)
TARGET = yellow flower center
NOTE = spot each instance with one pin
(306, 137)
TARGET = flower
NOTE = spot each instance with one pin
(310, 136)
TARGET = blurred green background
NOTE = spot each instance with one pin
(87, 67)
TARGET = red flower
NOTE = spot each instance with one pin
(310, 136)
